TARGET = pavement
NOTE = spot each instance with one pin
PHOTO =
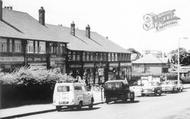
(27, 110)
(44, 108)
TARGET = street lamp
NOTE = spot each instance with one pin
(178, 67)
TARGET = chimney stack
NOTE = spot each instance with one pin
(42, 16)
(88, 31)
(73, 28)
(1, 9)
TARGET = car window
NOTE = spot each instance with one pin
(114, 85)
(77, 88)
(63, 89)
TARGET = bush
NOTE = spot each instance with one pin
(27, 76)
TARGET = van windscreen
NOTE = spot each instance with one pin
(63, 89)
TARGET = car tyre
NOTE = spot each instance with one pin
(58, 108)
(132, 99)
(79, 105)
(91, 104)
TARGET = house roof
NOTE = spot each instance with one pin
(150, 59)
(18, 24)
(26, 25)
(80, 42)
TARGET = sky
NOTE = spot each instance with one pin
(120, 20)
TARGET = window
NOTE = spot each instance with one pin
(91, 56)
(63, 89)
(74, 56)
(42, 47)
(36, 46)
(18, 46)
(10, 45)
(83, 56)
(30, 47)
(87, 56)
(3, 45)
(78, 88)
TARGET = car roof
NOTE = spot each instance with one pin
(114, 81)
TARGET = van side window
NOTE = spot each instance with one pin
(78, 88)
(63, 89)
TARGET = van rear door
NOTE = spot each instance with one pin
(62, 94)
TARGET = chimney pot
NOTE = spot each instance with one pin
(1, 9)
(42, 16)
(88, 31)
(73, 28)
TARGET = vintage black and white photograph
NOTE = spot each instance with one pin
(94, 59)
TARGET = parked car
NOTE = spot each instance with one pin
(72, 95)
(136, 88)
(118, 90)
(172, 86)
(151, 88)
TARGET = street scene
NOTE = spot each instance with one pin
(90, 59)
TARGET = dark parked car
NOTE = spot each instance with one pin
(118, 90)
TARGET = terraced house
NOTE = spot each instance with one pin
(25, 41)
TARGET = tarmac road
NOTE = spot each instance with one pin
(167, 106)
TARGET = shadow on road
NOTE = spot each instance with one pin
(122, 102)
(82, 109)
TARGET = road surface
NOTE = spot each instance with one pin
(167, 106)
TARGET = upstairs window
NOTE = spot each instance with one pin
(42, 47)
(18, 46)
(3, 45)
(30, 47)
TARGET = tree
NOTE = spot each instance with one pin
(184, 56)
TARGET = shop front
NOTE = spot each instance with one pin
(100, 73)
(8, 64)
(58, 63)
(88, 74)
(125, 70)
(113, 71)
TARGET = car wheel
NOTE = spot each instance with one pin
(107, 101)
(80, 105)
(58, 108)
(91, 104)
(132, 97)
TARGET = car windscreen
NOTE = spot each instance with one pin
(112, 85)
(63, 89)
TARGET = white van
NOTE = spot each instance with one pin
(72, 95)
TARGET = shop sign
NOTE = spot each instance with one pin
(38, 65)
(36, 59)
(11, 59)
(114, 64)
(75, 66)
(101, 65)
(88, 65)
(125, 64)
(58, 59)
(101, 71)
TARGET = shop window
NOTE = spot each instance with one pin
(3, 45)
(18, 46)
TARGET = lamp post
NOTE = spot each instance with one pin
(178, 63)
